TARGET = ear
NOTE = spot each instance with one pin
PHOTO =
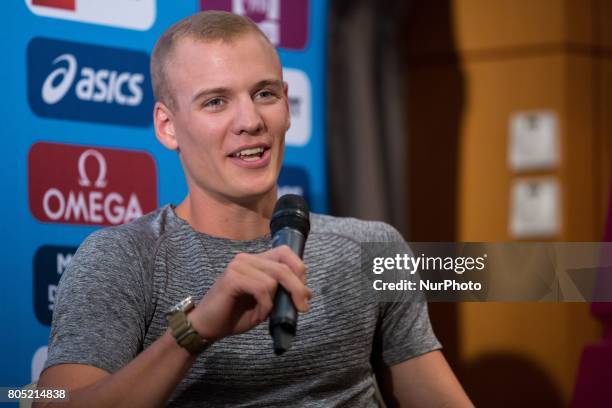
(164, 126)
(286, 92)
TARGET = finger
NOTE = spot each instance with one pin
(243, 278)
(271, 264)
(285, 255)
(261, 287)
(281, 273)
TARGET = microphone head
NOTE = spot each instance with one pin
(291, 211)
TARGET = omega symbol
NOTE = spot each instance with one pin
(84, 181)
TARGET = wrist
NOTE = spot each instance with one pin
(169, 341)
(198, 324)
(182, 330)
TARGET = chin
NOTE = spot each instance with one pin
(257, 184)
(254, 191)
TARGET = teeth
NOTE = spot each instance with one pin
(250, 152)
(249, 158)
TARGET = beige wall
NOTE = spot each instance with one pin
(471, 64)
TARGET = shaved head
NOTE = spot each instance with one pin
(202, 26)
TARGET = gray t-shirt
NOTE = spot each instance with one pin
(112, 300)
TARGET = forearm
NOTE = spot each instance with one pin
(147, 381)
(423, 381)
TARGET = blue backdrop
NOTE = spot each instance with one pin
(79, 146)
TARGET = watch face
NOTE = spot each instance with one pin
(184, 305)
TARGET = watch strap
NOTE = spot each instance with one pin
(184, 333)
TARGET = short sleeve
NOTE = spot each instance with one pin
(404, 330)
(100, 311)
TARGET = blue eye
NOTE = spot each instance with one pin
(214, 103)
(265, 94)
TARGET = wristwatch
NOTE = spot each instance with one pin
(181, 329)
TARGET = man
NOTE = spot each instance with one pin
(222, 105)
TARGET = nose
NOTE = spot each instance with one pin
(248, 120)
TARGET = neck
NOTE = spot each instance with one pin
(228, 219)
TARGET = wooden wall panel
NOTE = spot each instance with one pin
(497, 89)
(537, 341)
(491, 25)
(580, 161)
(604, 142)
(471, 64)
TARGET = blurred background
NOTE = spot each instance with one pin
(488, 121)
(464, 120)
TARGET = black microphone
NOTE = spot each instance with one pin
(289, 225)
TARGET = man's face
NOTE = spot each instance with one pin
(231, 117)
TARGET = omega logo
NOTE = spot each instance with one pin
(83, 179)
(90, 204)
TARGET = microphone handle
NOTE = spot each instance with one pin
(283, 318)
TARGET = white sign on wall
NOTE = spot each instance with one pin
(300, 103)
(535, 208)
(534, 141)
(133, 14)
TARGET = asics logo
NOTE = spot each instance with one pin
(90, 83)
(103, 85)
(54, 93)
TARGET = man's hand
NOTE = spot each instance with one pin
(243, 296)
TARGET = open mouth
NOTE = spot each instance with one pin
(251, 154)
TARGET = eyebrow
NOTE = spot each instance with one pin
(275, 83)
(211, 91)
